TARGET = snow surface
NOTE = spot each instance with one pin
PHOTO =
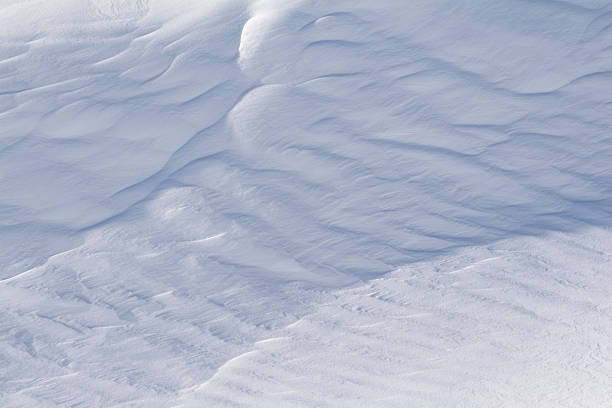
(305, 203)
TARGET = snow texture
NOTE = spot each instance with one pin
(305, 203)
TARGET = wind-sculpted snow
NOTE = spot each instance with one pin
(179, 178)
(523, 323)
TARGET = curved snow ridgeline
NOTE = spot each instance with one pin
(183, 182)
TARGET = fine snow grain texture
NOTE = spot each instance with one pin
(524, 323)
(181, 180)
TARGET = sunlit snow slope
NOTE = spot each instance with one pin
(180, 180)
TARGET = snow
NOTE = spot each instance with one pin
(304, 203)
(521, 323)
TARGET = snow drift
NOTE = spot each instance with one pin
(180, 179)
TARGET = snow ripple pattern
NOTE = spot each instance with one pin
(180, 179)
